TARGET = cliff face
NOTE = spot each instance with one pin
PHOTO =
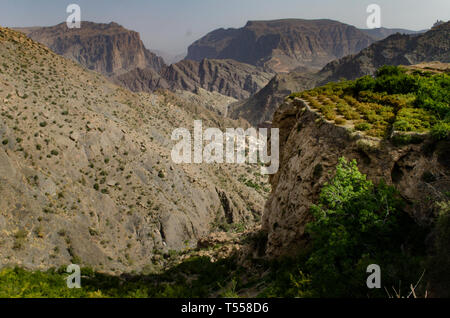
(109, 49)
(309, 151)
(282, 45)
(259, 108)
(227, 77)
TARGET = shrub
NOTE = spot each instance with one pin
(441, 131)
(439, 262)
(363, 126)
(356, 224)
(340, 121)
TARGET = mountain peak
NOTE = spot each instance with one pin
(282, 45)
(107, 48)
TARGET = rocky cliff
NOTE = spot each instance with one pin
(109, 49)
(260, 107)
(120, 54)
(227, 77)
(282, 45)
(310, 149)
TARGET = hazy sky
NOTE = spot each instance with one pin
(171, 25)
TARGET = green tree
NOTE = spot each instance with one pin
(356, 224)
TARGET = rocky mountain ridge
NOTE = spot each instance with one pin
(227, 77)
(282, 45)
(119, 54)
(108, 49)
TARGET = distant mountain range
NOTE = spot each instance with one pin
(382, 33)
(398, 49)
(119, 54)
(170, 58)
(282, 45)
(233, 62)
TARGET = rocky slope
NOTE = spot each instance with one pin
(109, 49)
(260, 107)
(397, 49)
(310, 149)
(227, 77)
(86, 174)
(282, 45)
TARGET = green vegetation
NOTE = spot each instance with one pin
(357, 223)
(440, 261)
(207, 277)
(393, 100)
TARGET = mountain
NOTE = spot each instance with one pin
(170, 58)
(382, 33)
(86, 174)
(109, 49)
(398, 49)
(260, 107)
(329, 148)
(227, 77)
(282, 45)
(119, 54)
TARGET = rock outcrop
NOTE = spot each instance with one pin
(109, 49)
(309, 151)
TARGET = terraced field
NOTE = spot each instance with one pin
(393, 101)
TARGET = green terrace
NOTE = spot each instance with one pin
(394, 100)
